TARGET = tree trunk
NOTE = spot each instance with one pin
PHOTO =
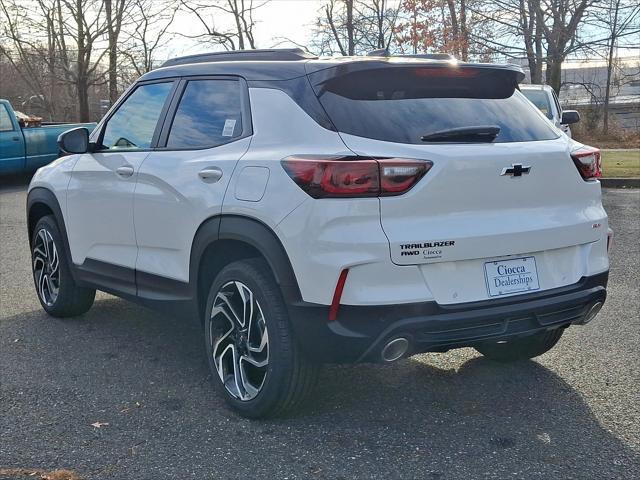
(113, 52)
(454, 26)
(612, 44)
(464, 34)
(82, 87)
(554, 73)
(351, 44)
(83, 99)
(380, 18)
(538, 53)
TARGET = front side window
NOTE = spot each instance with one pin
(540, 99)
(5, 120)
(209, 114)
(132, 126)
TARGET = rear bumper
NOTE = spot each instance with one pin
(360, 332)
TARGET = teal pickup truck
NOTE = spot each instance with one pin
(25, 148)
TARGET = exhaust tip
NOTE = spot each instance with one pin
(592, 313)
(395, 349)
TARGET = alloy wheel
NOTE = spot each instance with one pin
(239, 340)
(46, 267)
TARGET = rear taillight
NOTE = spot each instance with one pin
(588, 163)
(339, 177)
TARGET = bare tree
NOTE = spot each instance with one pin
(561, 20)
(237, 13)
(114, 11)
(376, 24)
(148, 32)
(617, 21)
(350, 27)
(33, 58)
(79, 26)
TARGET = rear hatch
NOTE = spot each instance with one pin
(503, 209)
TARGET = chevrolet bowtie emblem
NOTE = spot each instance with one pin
(516, 170)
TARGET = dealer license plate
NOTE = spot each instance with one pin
(505, 277)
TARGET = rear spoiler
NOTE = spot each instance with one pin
(431, 78)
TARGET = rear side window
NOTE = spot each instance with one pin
(5, 121)
(403, 105)
(132, 126)
(209, 114)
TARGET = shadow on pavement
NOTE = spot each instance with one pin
(145, 375)
(14, 183)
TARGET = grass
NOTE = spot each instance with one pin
(618, 163)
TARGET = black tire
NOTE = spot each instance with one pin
(288, 378)
(522, 348)
(68, 300)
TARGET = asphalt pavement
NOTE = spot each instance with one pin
(124, 393)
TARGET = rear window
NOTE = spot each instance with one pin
(403, 105)
(5, 120)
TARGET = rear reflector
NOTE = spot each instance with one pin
(588, 162)
(352, 176)
(337, 295)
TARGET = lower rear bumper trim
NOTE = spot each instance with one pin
(360, 333)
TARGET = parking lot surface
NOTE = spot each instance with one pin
(141, 379)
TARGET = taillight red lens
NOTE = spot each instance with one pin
(588, 162)
(338, 177)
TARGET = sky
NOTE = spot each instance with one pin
(276, 20)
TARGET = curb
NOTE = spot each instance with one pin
(620, 182)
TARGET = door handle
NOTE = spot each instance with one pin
(125, 171)
(15, 139)
(210, 174)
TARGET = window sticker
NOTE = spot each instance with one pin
(229, 126)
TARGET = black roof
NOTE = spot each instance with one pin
(286, 64)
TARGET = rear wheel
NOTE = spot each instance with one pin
(58, 293)
(254, 359)
(521, 348)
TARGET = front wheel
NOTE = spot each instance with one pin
(521, 348)
(253, 357)
(58, 293)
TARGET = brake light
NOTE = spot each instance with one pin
(588, 162)
(444, 72)
(339, 177)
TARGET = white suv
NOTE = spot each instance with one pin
(313, 210)
(546, 100)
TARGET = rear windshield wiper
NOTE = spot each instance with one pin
(480, 133)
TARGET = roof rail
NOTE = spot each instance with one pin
(273, 54)
(383, 52)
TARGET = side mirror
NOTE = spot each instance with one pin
(569, 117)
(75, 140)
(22, 123)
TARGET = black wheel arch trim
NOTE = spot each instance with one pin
(41, 195)
(247, 230)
